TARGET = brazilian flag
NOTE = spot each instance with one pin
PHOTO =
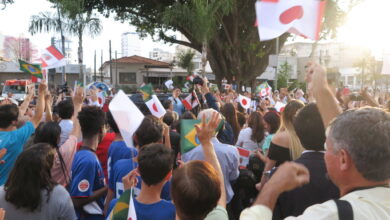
(147, 92)
(121, 207)
(33, 69)
(188, 138)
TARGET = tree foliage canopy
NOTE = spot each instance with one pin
(234, 48)
(185, 60)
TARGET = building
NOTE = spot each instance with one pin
(68, 49)
(130, 44)
(10, 70)
(14, 48)
(135, 70)
(161, 55)
(339, 58)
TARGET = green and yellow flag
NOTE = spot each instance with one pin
(147, 92)
(33, 69)
(121, 208)
(188, 138)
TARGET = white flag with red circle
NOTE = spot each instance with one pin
(300, 17)
(244, 101)
(155, 107)
(191, 101)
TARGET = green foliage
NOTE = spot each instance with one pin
(233, 47)
(185, 60)
(284, 75)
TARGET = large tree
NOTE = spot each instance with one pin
(233, 50)
(77, 25)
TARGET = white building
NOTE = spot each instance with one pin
(161, 55)
(130, 44)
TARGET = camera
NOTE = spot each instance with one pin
(198, 80)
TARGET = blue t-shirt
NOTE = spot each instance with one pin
(13, 141)
(87, 177)
(118, 150)
(121, 169)
(177, 105)
(162, 210)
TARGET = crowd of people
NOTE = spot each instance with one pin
(323, 155)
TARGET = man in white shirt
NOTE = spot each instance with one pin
(357, 159)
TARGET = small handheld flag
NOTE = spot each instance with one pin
(33, 69)
(188, 138)
(152, 102)
(147, 91)
(300, 17)
(244, 101)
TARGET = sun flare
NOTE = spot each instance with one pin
(368, 25)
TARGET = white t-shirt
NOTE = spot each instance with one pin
(244, 140)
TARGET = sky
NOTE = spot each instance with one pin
(14, 21)
(367, 25)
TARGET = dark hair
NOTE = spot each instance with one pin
(8, 114)
(167, 103)
(155, 161)
(91, 120)
(111, 122)
(188, 115)
(195, 190)
(273, 120)
(50, 133)
(309, 128)
(150, 131)
(229, 112)
(256, 122)
(65, 109)
(241, 119)
(29, 176)
(168, 118)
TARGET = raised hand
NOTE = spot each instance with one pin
(130, 180)
(42, 88)
(206, 131)
(78, 96)
(289, 176)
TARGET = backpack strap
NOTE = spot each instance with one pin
(344, 209)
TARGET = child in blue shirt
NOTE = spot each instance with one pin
(87, 187)
(155, 164)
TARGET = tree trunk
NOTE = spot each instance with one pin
(82, 77)
(204, 58)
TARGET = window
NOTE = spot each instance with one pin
(127, 78)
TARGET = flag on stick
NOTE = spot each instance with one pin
(244, 101)
(300, 17)
(152, 102)
(53, 58)
(191, 101)
(33, 69)
(188, 138)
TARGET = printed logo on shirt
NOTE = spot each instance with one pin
(83, 185)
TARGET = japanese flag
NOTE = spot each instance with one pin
(155, 107)
(301, 17)
(52, 58)
(244, 101)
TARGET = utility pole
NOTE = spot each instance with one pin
(277, 62)
(101, 66)
(94, 67)
(116, 68)
(110, 63)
